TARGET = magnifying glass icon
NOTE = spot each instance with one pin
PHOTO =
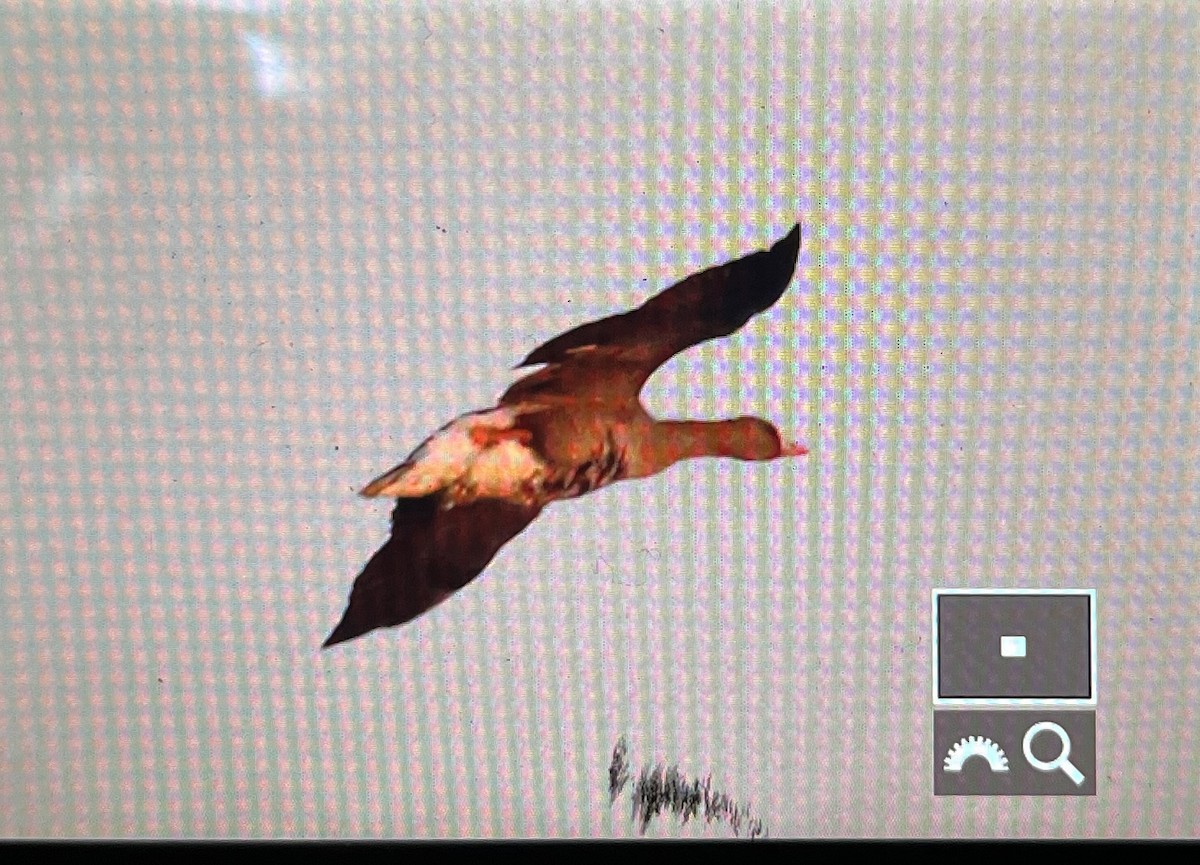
(1062, 761)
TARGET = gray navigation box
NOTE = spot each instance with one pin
(1014, 647)
(1014, 752)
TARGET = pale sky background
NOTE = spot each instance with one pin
(253, 253)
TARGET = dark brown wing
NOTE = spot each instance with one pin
(431, 554)
(612, 357)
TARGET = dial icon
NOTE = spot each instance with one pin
(975, 746)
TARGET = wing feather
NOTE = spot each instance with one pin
(614, 356)
(432, 553)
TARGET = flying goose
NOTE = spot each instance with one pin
(570, 428)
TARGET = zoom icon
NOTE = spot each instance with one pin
(1062, 761)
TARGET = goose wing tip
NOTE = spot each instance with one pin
(358, 620)
(336, 636)
(790, 242)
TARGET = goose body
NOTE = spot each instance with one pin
(570, 428)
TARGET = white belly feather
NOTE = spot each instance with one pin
(450, 459)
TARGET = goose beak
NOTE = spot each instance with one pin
(793, 449)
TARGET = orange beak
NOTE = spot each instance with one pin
(793, 449)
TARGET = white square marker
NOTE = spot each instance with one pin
(1012, 647)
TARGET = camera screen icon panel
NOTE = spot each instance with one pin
(1014, 647)
(1014, 692)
